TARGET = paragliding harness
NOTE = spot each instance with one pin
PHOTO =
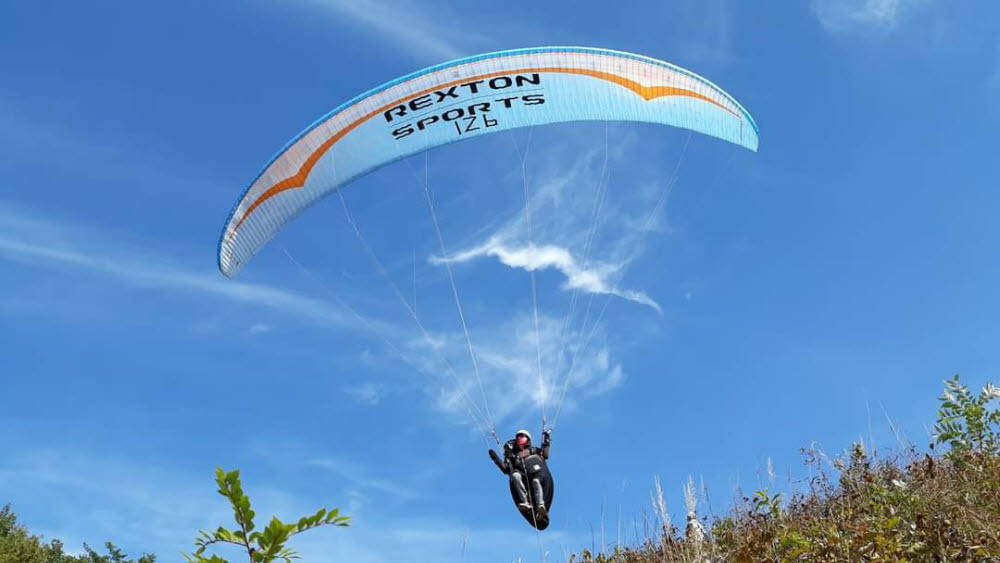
(531, 467)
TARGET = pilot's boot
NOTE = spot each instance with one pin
(542, 516)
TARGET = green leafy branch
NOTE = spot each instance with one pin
(767, 504)
(965, 421)
(261, 546)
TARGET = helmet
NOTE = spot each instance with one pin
(524, 433)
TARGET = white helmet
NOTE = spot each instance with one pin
(525, 432)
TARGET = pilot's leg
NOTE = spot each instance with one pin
(517, 482)
(536, 490)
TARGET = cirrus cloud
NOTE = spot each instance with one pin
(860, 15)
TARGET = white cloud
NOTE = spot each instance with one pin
(413, 27)
(590, 238)
(859, 15)
(593, 279)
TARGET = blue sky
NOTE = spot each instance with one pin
(806, 292)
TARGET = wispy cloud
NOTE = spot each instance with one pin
(35, 240)
(593, 279)
(592, 240)
(32, 130)
(994, 79)
(528, 369)
(259, 328)
(704, 30)
(860, 15)
(414, 28)
(362, 477)
(366, 393)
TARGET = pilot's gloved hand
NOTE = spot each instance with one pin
(494, 456)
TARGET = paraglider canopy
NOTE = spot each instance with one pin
(465, 98)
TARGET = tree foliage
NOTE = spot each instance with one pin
(17, 545)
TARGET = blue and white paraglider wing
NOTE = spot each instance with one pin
(464, 98)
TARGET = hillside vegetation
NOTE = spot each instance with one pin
(913, 507)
